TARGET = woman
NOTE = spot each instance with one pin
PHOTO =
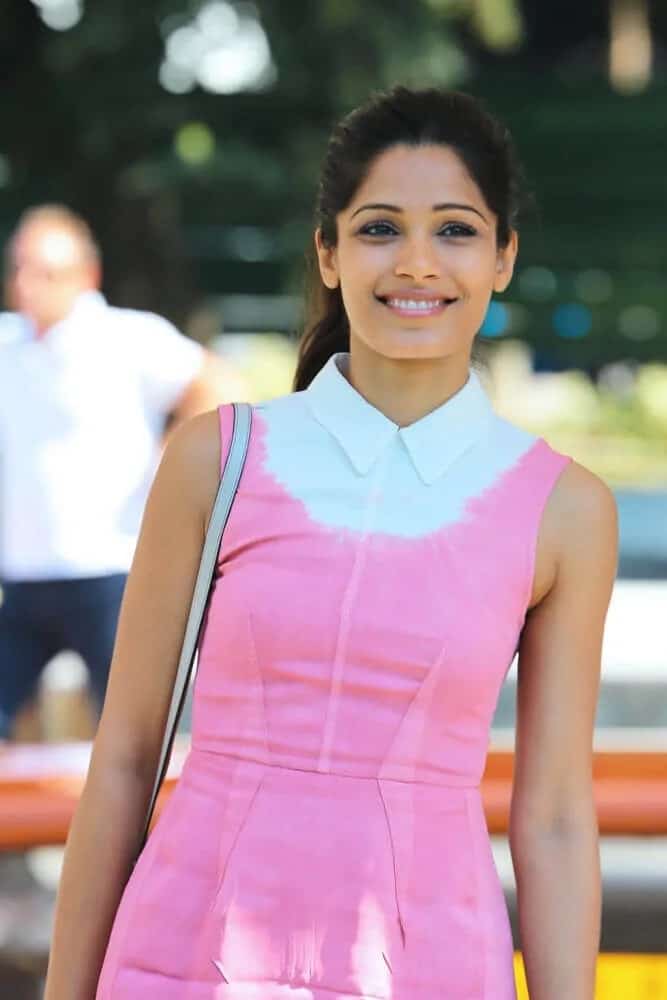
(392, 544)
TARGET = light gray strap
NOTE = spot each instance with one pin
(221, 508)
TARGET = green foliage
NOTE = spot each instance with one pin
(89, 124)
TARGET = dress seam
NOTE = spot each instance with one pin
(258, 673)
(482, 912)
(471, 786)
(223, 868)
(394, 865)
(343, 637)
(338, 666)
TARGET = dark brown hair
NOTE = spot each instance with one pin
(399, 117)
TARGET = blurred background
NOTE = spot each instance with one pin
(189, 136)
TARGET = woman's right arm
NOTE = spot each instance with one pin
(106, 829)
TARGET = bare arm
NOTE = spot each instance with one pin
(107, 825)
(553, 823)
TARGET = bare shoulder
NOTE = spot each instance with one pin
(191, 459)
(197, 439)
(581, 519)
(579, 528)
(582, 504)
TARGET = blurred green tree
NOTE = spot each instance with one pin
(194, 190)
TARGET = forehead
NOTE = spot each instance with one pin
(417, 177)
(52, 246)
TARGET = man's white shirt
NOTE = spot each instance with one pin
(82, 410)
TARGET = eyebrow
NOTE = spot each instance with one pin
(436, 208)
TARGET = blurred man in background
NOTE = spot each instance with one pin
(87, 392)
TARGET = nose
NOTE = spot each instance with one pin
(418, 259)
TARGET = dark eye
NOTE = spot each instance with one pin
(378, 229)
(457, 229)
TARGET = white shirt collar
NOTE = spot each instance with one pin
(86, 302)
(433, 442)
(84, 308)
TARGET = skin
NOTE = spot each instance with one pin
(129, 736)
(405, 367)
(49, 268)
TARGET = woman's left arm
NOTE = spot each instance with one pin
(553, 825)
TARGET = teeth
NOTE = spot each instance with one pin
(419, 305)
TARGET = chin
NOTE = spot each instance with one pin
(417, 345)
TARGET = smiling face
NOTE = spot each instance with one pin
(417, 258)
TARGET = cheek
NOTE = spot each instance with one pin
(358, 302)
(359, 276)
(29, 292)
(474, 266)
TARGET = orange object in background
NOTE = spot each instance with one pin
(630, 790)
(40, 785)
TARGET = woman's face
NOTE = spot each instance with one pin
(417, 259)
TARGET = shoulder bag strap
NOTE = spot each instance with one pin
(221, 508)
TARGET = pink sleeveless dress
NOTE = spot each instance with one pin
(326, 839)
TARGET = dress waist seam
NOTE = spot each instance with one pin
(474, 785)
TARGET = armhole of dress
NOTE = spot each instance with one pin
(551, 466)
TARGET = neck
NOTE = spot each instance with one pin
(405, 389)
(42, 326)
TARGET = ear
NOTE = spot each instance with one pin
(505, 259)
(94, 275)
(327, 260)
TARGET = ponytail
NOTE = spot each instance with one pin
(327, 331)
